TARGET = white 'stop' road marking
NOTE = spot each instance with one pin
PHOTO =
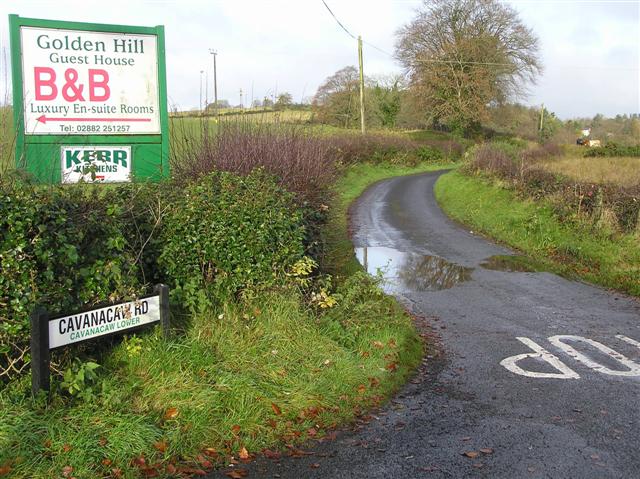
(633, 368)
(540, 353)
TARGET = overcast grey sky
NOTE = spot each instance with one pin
(590, 49)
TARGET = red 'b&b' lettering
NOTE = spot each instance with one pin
(99, 80)
(45, 78)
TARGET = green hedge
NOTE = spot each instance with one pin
(65, 248)
(613, 149)
(76, 246)
(227, 233)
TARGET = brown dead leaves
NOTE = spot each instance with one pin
(475, 454)
(171, 413)
(236, 473)
(276, 409)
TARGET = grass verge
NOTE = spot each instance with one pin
(573, 249)
(272, 368)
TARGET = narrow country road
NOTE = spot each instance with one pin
(538, 377)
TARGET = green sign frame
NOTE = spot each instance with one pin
(40, 154)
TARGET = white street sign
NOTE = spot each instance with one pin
(99, 322)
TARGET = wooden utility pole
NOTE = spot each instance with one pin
(215, 80)
(200, 105)
(362, 127)
(541, 117)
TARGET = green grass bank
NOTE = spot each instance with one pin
(273, 367)
(573, 248)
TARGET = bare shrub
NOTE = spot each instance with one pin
(523, 170)
(492, 159)
(303, 163)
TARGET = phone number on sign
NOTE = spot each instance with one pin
(95, 128)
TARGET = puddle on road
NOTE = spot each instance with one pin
(412, 271)
(509, 264)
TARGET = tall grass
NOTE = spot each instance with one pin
(623, 171)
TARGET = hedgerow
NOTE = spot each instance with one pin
(619, 205)
(65, 248)
(227, 233)
(614, 149)
(76, 246)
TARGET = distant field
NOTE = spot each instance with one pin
(621, 171)
(265, 116)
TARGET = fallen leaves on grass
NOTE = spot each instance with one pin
(5, 469)
(160, 446)
(171, 413)
(66, 471)
(276, 409)
(244, 454)
(211, 452)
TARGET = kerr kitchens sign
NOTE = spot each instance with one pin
(104, 163)
(95, 92)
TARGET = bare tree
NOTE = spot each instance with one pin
(462, 56)
(336, 100)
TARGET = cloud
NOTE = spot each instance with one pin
(296, 44)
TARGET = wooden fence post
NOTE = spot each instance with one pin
(163, 291)
(40, 355)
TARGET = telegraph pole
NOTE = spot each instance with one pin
(200, 105)
(206, 91)
(215, 80)
(541, 123)
(362, 127)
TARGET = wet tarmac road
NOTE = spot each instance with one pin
(539, 376)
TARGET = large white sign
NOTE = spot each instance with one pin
(96, 164)
(99, 322)
(89, 83)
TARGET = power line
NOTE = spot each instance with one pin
(456, 62)
(569, 67)
(338, 21)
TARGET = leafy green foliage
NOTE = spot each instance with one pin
(61, 247)
(227, 233)
(614, 149)
(79, 379)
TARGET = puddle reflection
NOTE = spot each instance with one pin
(411, 271)
(509, 264)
